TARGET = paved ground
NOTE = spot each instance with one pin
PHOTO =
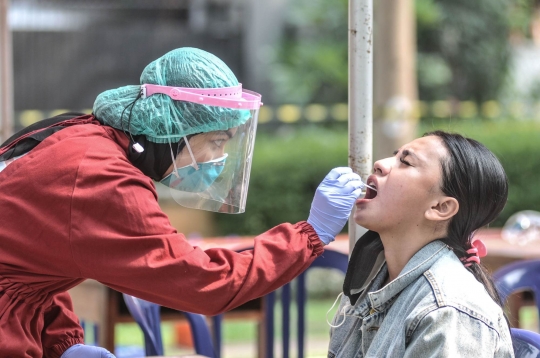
(314, 349)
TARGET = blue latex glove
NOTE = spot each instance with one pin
(333, 202)
(81, 350)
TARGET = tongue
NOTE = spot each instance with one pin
(370, 194)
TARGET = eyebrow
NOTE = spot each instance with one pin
(228, 132)
(407, 152)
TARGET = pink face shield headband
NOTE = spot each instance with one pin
(229, 97)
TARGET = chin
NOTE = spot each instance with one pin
(368, 221)
(368, 227)
(362, 221)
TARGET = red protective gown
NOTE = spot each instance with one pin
(75, 208)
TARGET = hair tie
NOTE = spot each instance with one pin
(478, 250)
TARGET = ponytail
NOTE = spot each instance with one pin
(476, 179)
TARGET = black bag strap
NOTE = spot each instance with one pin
(28, 138)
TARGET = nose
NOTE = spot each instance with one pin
(383, 166)
(221, 152)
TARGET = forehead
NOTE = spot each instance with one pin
(428, 149)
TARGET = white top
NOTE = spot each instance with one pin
(5, 163)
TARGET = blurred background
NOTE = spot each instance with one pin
(471, 67)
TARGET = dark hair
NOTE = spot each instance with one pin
(474, 176)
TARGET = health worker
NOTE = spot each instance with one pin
(79, 202)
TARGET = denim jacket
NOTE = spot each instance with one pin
(434, 308)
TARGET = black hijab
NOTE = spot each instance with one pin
(156, 157)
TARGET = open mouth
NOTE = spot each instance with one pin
(371, 193)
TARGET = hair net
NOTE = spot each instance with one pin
(162, 119)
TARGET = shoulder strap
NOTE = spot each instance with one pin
(28, 138)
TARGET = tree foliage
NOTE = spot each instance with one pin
(463, 49)
(311, 61)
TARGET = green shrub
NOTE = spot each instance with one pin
(289, 165)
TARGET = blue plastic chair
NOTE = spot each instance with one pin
(146, 314)
(329, 259)
(519, 276)
(526, 343)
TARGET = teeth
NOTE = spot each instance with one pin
(371, 185)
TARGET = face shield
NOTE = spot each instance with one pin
(211, 170)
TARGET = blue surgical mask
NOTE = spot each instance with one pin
(195, 180)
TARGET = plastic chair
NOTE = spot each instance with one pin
(519, 276)
(329, 259)
(146, 314)
(526, 343)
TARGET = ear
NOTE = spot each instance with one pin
(443, 209)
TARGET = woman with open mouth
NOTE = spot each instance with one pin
(415, 286)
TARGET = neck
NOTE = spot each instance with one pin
(400, 247)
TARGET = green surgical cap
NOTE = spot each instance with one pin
(162, 119)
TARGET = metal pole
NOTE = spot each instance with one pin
(360, 96)
(6, 74)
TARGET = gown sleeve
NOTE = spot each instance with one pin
(61, 327)
(120, 237)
